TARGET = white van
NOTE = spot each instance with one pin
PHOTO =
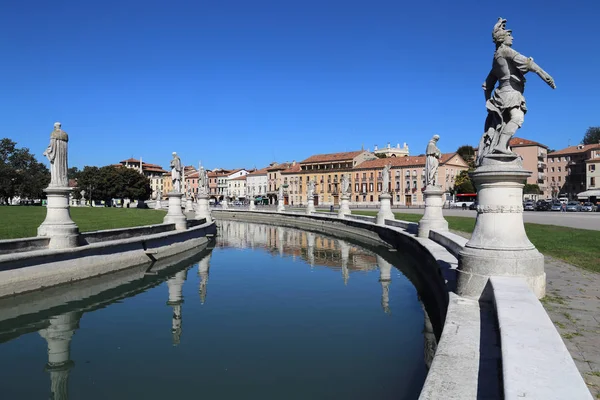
(563, 200)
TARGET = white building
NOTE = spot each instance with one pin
(257, 182)
(236, 187)
(392, 151)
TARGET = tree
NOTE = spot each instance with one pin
(112, 182)
(73, 173)
(592, 135)
(463, 184)
(381, 155)
(467, 153)
(531, 189)
(20, 173)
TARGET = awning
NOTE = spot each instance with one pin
(589, 193)
(258, 198)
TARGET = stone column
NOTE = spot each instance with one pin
(203, 270)
(224, 205)
(252, 206)
(385, 209)
(310, 206)
(280, 206)
(385, 278)
(433, 218)
(499, 245)
(58, 225)
(344, 206)
(189, 205)
(175, 285)
(175, 214)
(202, 208)
(58, 335)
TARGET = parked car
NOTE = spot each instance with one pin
(587, 207)
(542, 205)
(556, 206)
(529, 206)
(573, 206)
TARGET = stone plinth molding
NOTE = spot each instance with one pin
(202, 208)
(280, 206)
(385, 209)
(58, 225)
(433, 218)
(175, 214)
(344, 206)
(310, 207)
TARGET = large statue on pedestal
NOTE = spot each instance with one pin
(176, 172)
(280, 193)
(57, 155)
(345, 184)
(505, 103)
(432, 162)
(385, 186)
(311, 189)
(202, 181)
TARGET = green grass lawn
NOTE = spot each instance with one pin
(579, 247)
(20, 221)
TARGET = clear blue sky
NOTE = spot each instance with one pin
(242, 83)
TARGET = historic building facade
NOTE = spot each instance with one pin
(153, 172)
(534, 156)
(236, 187)
(257, 183)
(567, 169)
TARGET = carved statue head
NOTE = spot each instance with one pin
(500, 34)
(57, 126)
(436, 137)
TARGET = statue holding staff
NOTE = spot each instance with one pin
(56, 153)
(345, 184)
(311, 189)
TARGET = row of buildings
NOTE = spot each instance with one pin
(570, 172)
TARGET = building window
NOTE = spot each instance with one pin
(371, 198)
(379, 187)
(592, 181)
(592, 168)
(371, 188)
(551, 169)
(559, 169)
(560, 178)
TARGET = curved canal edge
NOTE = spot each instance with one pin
(104, 252)
(506, 349)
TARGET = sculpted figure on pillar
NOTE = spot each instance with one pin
(280, 193)
(385, 186)
(176, 172)
(432, 162)
(57, 155)
(311, 189)
(345, 184)
(505, 103)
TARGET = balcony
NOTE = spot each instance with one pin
(541, 154)
(541, 165)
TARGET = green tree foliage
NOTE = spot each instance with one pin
(463, 183)
(112, 182)
(592, 135)
(381, 155)
(467, 152)
(20, 173)
(531, 189)
(73, 173)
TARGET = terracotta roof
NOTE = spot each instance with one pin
(233, 171)
(292, 169)
(215, 174)
(239, 178)
(262, 171)
(72, 183)
(520, 142)
(408, 161)
(347, 155)
(192, 175)
(129, 160)
(278, 167)
(575, 149)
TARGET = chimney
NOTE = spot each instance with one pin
(293, 163)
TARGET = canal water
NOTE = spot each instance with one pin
(264, 313)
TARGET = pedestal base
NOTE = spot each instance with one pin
(252, 206)
(158, 205)
(433, 218)
(58, 225)
(310, 208)
(344, 206)
(175, 214)
(202, 208)
(189, 205)
(224, 205)
(499, 245)
(385, 209)
(280, 207)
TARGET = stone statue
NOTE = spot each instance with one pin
(432, 162)
(385, 186)
(176, 172)
(202, 181)
(345, 184)
(57, 155)
(311, 189)
(159, 195)
(280, 193)
(506, 105)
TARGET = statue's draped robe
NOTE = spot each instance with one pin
(386, 180)
(508, 70)
(176, 174)
(431, 163)
(57, 154)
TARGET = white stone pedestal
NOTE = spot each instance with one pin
(310, 207)
(252, 206)
(433, 217)
(58, 225)
(385, 209)
(202, 208)
(344, 206)
(224, 205)
(280, 207)
(499, 245)
(157, 205)
(175, 214)
(189, 205)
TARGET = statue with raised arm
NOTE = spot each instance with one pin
(345, 184)
(385, 186)
(57, 155)
(432, 162)
(311, 189)
(505, 103)
(176, 172)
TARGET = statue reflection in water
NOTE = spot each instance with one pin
(175, 285)
(345, 251)
(385, 278)
(203, 269)
(58, 336)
